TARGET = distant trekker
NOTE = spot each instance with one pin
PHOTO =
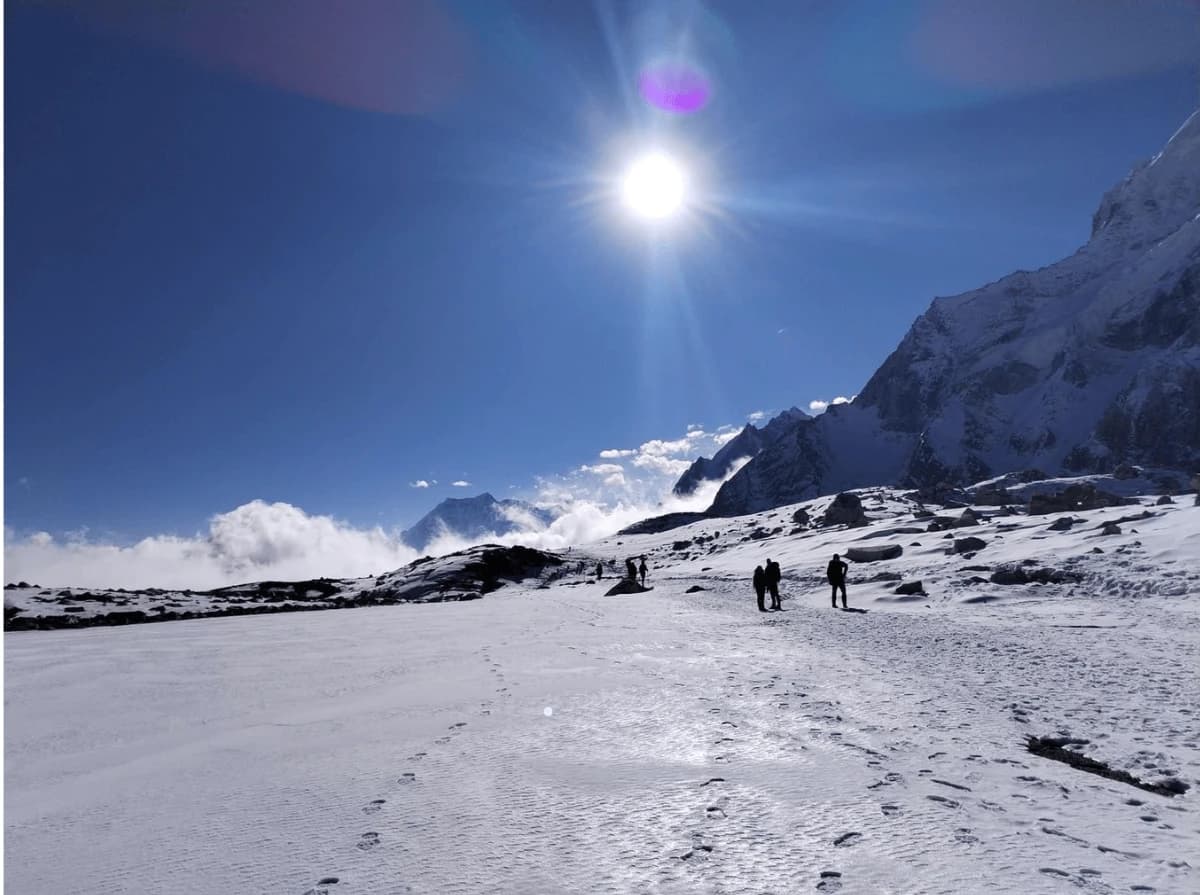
(642, 571)
(599, 570)
(836, 572)
(630, 569)
(774, 575)
(760, 587)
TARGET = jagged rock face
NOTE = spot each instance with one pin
(1075, 368)
(748, 443)
(475, 517)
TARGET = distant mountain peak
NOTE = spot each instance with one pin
(471, 518)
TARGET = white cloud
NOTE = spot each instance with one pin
(756, 416)
(260, 541)
(461, 483)
(603, 468)
(254, 542)
(818, 406)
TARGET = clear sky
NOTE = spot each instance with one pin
(314, 253)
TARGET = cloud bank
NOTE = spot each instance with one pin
(260, 541)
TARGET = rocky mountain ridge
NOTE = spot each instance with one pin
(1075, 368)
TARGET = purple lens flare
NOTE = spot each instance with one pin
(674, 87)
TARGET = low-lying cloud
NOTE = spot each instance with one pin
(260, 541)
(818, 406)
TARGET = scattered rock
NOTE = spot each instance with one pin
(873, 554)
(1063, 523)
(1126, 471)
(886, 576)
(1110, 528)
(910, 587)
(1164, 500)
(695, 589)
(968, 545)
(681, 545)
(846, 509)
(800, 517)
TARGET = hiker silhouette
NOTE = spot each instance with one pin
(642, 571)
(773, 576)
(836, 573)
(760, 587)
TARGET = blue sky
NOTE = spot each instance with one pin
(305, 259)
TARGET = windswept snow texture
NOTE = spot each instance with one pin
(551, 739)
(1074, 368)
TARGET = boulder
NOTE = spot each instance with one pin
(800, 517)
(1126, 471)
(627, 586)
(846, 509)
(695, 589)
(968, 545)
(1110, 528)
(1164, 500)
(910, 587)
(873, 554)
(1062, 524)
(681, 545)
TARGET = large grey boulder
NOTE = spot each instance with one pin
(968, 545)
(1074, 498)
(873, 554)
(846, 509)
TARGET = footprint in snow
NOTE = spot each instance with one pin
(373, 806)
(949, 803)
(407, 777)
(367, 841)
(831, 881)
(889, 810)
(848, 839)
(320, 887)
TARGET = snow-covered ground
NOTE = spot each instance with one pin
(557, 740)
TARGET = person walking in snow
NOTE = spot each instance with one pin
(774, 576)
(630, 569)
(600, 570)
(836, 573)
(760, 587)
(642, 571)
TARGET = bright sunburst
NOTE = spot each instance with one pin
(654, 186)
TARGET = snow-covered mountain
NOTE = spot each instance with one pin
(746, 443)
(1077, 367)
(473, 517)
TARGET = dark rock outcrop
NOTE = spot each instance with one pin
(969, 545)
(626, 586)
(1074, 498)
(846, 509)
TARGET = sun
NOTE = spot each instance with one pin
(654, 186)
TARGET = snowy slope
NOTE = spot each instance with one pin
(1092, 361)
(550, 739)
